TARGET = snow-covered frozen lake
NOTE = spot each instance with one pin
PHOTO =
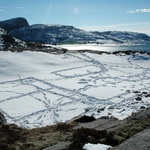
(38, 89)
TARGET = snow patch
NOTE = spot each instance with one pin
(96, 147)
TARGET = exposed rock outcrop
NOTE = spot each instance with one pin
(7, 42)
(2, 119)
(140, 141)
(143, 114)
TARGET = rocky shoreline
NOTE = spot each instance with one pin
(129, 134)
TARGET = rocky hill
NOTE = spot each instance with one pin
(61, 34)
(13, 24)
(9, 43)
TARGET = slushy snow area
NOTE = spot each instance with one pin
(96, 147)
(38, 89)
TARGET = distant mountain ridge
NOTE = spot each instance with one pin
(63, 34)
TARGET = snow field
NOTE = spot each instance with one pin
(39, 89)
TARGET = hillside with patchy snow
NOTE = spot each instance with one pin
(39, 89)
(65, 34)
(61, 34)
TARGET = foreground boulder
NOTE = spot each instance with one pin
(140, 141)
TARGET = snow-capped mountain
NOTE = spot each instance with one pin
(63, 34)
(53, 34)
(123, 36)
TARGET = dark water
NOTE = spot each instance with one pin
(144, 47)
(141, 47)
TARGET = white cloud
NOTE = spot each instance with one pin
(135, 27)
(138, 11)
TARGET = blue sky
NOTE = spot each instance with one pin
(101, 15)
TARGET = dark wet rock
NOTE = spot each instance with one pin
(13, 24)
(138, 98)
(85, 119)
(144, 93)
(100, 109)
(136, 92)
(148, 95)
(2, 119)
(142, 107)
(7, 39)
(140, 141)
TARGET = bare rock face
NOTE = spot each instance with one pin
(140, 141)
(13, 24)
(143, 114)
